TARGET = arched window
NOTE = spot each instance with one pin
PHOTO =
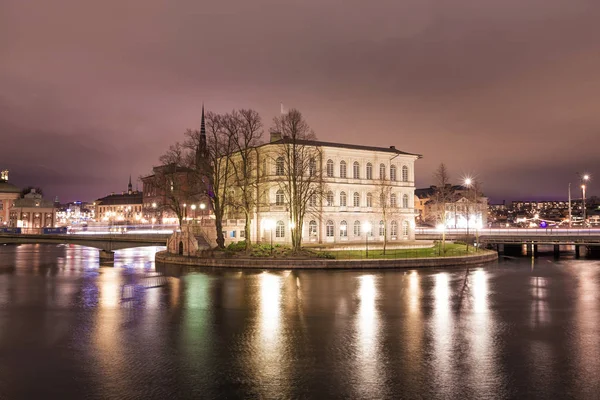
(404, 228)
(312, 228)
(343, 229)
(312, 200)
(330, 198)
(393, 200)
(312, 167)
(280, 229)
(404, 173)
(381, 228)
(356, 228)
(382, 201)
(342, 169)
(329, 228)
(370, 228)
(405, 201)
(329, 171)
(393, 173)
(356, 199)
(369, 171)
(394, 228)
(369, 200)
(279, 166)
(279, 198)
(343, 199)
(356, 170)
(381, 171)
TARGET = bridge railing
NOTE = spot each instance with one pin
(513, 231)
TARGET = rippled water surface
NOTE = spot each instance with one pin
(70, 328)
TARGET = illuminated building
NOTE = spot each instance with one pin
(121, 209)
(8, 194)
(32, 213)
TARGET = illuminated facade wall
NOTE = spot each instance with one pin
(351, 202)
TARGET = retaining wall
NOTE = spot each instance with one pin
(190, 263)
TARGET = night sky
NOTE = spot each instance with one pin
(504, 90)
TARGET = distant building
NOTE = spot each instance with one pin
(464, 208)
(75, 213)
(32, 213)
(122, 209)
(8, 194)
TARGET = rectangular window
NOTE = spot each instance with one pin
(242, 233)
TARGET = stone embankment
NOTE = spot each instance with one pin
(191, 263)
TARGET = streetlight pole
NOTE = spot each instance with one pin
(468, 182)
(202, 207)
(193, 214)
(570, 214)
(367, 230)
(585, 178)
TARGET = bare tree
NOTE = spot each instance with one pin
(213, 168)
(386, 206)
(441, 197)
(245, 128)
(299, 161)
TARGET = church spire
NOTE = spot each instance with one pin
(129, 187)
(201, 151)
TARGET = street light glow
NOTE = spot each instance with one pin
(468, 181)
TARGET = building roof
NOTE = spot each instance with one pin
(318, 143)
(30, 202)
(6, 187)
(121, 199)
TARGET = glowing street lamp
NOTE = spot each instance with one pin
(202, 207)
(468, 183)
(584, 178)
(269, 224)
(367, 229)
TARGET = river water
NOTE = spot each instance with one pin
(518, 329)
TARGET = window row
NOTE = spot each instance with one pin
(356, 200)
(356, 170)
(358, 229)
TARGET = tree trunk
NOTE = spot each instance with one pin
(247, 231)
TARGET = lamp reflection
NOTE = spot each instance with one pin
(441, 334)
(367, 340)
(540, 314)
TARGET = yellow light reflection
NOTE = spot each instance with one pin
(442, 331)
(367, 340)
(540, 313)
(270, 308)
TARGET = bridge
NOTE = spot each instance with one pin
(106, 243)
(499, 238)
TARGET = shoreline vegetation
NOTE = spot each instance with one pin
(278, 251)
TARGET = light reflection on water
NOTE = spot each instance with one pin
(498, 331)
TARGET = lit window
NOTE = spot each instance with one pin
(279, 198)
(312, 228)
(330, 199)
(404, 173)
(280, 229)
(329, 168)
(356, 228)
(279, 166)
(343, 229)
(329, 229)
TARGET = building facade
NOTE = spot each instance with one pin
(367, 194)
(125, 208)
(8, 194)
(32, 213)
(464, 208)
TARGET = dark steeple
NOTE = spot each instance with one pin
(129, 187)
(202, 151)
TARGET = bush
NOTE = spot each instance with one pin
(237, 246)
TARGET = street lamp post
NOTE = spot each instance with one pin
(193, 213)
(202, 207)
(584, 178)
(468, 182)
(367, 228)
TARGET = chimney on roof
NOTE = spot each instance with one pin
(275, 136)
(393, 147)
